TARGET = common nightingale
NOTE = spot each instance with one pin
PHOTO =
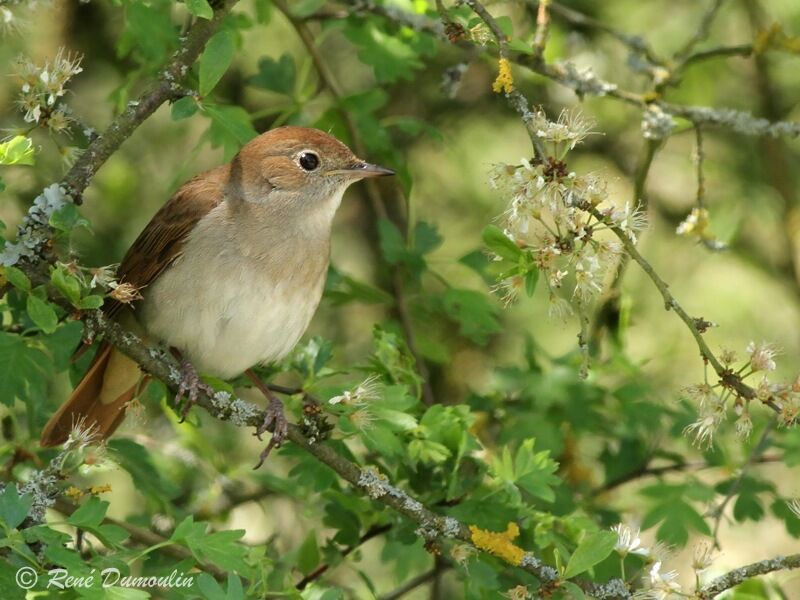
(231, 270)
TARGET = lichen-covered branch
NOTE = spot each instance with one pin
(728, 378)
(369, 481)
(165, 88)
(585, 83)
(733, 578)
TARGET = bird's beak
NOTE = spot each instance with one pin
(362, 169)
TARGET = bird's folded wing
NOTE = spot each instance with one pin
(163, 238)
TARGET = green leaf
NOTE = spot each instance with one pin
(389, 55)
(230, 128)
(184, 108)
(90, 514)
(66, 283)
(498, 242)
(17, 278)
(594, 548)
(308, 554)
(216, 59)
(42, 314)
(475, 314)
(137, 461)
(200, 8)
(17, 151)
(23, 369)
(67, 218)
(14, 507)
(277, 76)
(92, 302)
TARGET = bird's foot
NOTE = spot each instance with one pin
(190, 386)
(275, 421)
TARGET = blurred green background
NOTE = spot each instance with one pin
(444, 145)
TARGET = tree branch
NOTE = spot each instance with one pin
(368, 481)
(737, 576)
(167, 87)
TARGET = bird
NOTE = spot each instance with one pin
(229, 274)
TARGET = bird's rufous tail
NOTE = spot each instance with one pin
(99, 401)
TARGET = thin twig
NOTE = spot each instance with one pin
(372, 532)
(565, 74)
(699, 157)
(727, 378)
(701, 33)
(646, 471)
(414, 583)
(576, 18)
(542, 27)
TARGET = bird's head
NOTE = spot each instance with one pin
(301, 164)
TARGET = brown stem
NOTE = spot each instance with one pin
(372, 532)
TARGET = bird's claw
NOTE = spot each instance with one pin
(190, 386)
(274, 420)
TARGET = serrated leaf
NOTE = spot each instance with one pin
(200, 8)
(594, 548)
(42, 314)
(277, 76)
(215, 60)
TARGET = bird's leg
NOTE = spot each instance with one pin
(190, 385)
(274, 419)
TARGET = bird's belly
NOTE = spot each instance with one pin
(234, 317)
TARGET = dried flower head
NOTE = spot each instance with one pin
(124, 292)
(703, 556)
(365, 391)
(762, 356)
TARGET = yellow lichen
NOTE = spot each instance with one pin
(499, 543)
(73, 492)
(505, 79)
(100, 489)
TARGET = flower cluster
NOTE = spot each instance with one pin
(33, 233)
(715, 401)
(559, 217)
(42, 89)
(355, 403)
(696, 224)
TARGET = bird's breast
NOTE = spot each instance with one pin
(229, 303)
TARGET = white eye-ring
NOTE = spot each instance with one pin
(308, 160)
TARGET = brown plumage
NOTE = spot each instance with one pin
(231, 269)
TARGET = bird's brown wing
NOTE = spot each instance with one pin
(163, 238)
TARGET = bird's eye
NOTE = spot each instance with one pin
(309, 161)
